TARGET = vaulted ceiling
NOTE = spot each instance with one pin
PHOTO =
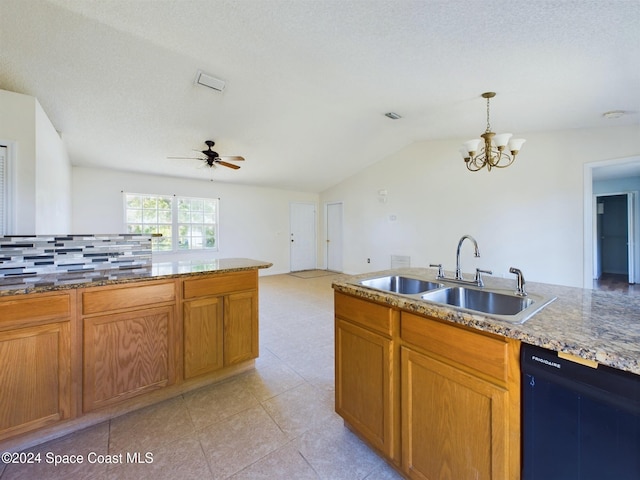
(308, 81)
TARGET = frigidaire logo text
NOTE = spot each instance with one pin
(545, 361)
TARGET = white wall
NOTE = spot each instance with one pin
(52, 179)
(42, 188)
(17, 126)
(529, 215)
(254, 222)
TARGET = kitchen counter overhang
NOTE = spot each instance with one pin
(590, 324)
(157, 270)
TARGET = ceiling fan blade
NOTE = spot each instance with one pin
(230, 165)
(232, 158)
(184, 158)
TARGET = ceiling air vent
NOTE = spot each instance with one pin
(209, 81)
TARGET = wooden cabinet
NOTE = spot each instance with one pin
(458, 415)
(113, 348)
(129, 341)
(220, 321)
(438, 400)
(35, 355)
(240, 327)
(203, 336)
(365, 371)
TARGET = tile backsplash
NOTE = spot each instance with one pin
(43, 254)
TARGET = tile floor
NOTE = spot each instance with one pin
(275, 422)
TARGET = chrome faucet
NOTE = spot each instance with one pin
(476, 254)
(458, 276)
(520, 291)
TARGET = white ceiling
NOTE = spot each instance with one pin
(308, 81)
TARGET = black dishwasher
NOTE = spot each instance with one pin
(578, 422)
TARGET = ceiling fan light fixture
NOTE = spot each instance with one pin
(209, 81)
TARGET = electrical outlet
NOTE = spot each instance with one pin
(368, 260)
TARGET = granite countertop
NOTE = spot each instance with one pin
(23, 284)
(591, 324)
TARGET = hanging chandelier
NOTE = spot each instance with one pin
(493, 151)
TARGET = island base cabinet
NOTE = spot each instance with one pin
(35, 377)
(126, 354)
(203, 329)
(240, 327)
(454, 424)
(363, 383)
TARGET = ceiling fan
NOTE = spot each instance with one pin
(211, 158)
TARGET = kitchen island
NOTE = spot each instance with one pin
(422, 382)
(78, 348)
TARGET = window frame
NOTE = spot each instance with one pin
(207, 218)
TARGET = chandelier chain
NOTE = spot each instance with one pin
(488, 124)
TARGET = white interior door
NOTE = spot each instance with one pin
(303, 236)
(334, 237)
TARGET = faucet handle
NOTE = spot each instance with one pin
(479, 273)
(440, 270)
(519, 281)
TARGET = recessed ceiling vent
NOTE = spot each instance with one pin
(393, 116)
(208, 81)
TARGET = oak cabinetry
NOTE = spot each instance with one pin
(129, 338)
(365, 371)
(438, 400)
(35, 355)
(202, 336)
(456, 397)
(220, 321)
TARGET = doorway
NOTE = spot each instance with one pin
(609, 178)
(613, 239)
(302, 239)
(334, 236)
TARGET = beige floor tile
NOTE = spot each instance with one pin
(384, 472)
(337, 454)
(300, 409)
(182, 459)
(88, 444)
(216, 402)
(284, 463)
(239, 441)
(150, 427)
(270, 378)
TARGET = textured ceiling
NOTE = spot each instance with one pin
(308, 81)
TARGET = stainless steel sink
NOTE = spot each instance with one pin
(400, 284)
(480, 300)
(512, 308)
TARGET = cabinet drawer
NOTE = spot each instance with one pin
(133, 295)
(220, 284)
(371, 315)
(34, 308)
(485, 354)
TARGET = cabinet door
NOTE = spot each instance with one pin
(35, 380)
(240, 327)
(202, 336)
(454, 424)
(127, 354)
(364, 394)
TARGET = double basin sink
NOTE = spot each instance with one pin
(504, 306)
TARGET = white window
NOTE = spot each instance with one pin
(185, 223)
